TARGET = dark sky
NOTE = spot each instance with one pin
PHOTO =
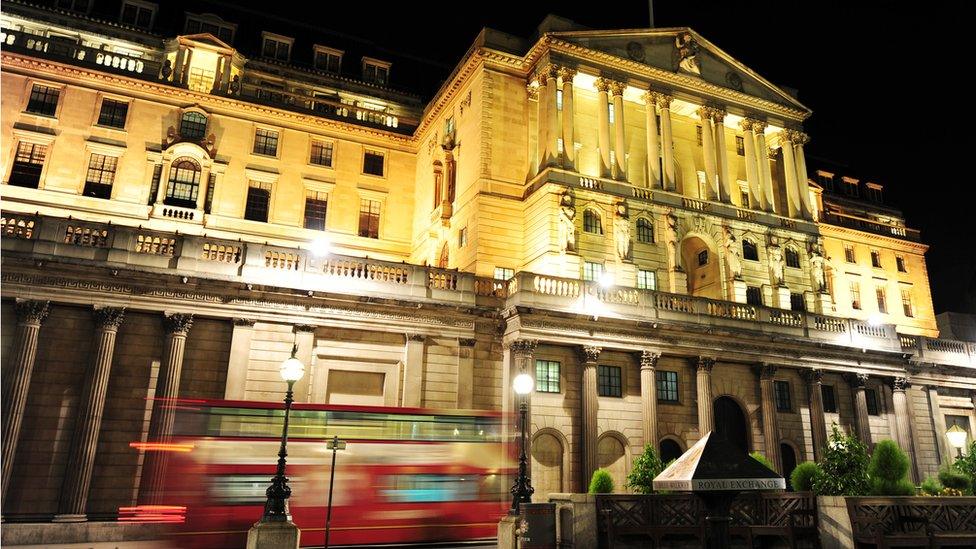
(884, 79)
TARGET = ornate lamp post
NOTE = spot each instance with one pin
(957, 438)
(522, 489)
(276, 508)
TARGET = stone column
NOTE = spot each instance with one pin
(178, 66)
(945, 454)
(20, 367)
(551, 72)
(767, 398)
(81, 458)
(762, 158)
(465, 383)
(240, 358)
(543, 121)
(726, 184)
(603, 123)
(589, 430)
(177, 328)
(648, 391)
(800, 139)
(667, 143)
(703, 386)
(569, 137)
(218, 75)
(789, 170)
(413, 370)
(708, 150)
(619, 144)
(225, 75)
(903, 433)
(532, 92)
(653, 144)
(862, 422)
(814, 379)
(752, 165)
(305, 340)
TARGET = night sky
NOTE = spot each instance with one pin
(884, 79)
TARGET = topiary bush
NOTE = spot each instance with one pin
(931, 486)
(844, 466)
(954, 479)
(967, 464)
(802, 477)
(646, 467)
(601, 483)
(888, 471)
(762, 459)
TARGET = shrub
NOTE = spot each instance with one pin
(646, 467)
(931, 486)
(802, 477)
(843, 467)
(601, 483)
(758, 456)
(967, 464)
(888, 471)
(953, 478)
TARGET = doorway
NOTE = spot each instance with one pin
(730, 422)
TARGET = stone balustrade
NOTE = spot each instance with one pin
(51, 238)
(18, 41)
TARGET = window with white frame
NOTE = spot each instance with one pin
(210, 24)
(316, 207)
(592, 271)
(376, 71)
(28, 164)
(328, 59)
(646, 279)
(373, 162)
(274, 46)
(137, 14)
(321, 153)
(504, 273)
(266, 142)
(258, 202)
(100, 176)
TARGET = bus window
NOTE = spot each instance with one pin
(431, 488)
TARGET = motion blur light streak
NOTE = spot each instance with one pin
(161, 446)
(164, 514)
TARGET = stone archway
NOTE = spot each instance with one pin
(547, 465)
(669, 449)
(612, 456)
(701, 263)
(788, 457)
(730, 422)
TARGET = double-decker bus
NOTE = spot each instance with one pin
(407, 475)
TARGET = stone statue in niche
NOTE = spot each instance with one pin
(776, 264)
(817, 271)
(234, 88)
(567, 224)
(672, 239)
(732, 252)
(167, 70)
(687, 49)
(621, 232)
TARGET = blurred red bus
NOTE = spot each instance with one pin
(407, 475)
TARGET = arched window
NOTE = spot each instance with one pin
(184, 183)
(749, 250)
(792, 258)
(645, 231)
(591, 222)
(670, 450)
(193, 126)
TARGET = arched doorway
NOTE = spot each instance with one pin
(702, 267)
(730, 422)
(670, 449)
(611, 456)
(789, 462)
(547, 465)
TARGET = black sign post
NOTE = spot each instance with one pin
(335, 445)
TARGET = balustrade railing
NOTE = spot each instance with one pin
(17, 226)
(60, 49)
(875, 227)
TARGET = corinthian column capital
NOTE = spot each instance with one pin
(178, 323)
(858, 381)
(759, 126)
(522, 348)
(590, 353)
(765, 370)
(532, 89)
(800, 138)
(705, 364)
(812, 376)
(109, 318)
(617, 88)
(602, 84)
(900, 384)
(663, 100)
(548, 71)
(30, 311)
(567, 73)
(649, 359)
(746, 124)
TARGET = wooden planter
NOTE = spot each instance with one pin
(913, 520)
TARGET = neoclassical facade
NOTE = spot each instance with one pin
(626, 215)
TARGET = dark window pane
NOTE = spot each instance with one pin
(184, 183)
(369, 218)
(782, 391)
(100, 176)
(608, 381)
(258, 200)
(797, 303)
(321, 153)
(316, 206)
(792, 258)
(373, 163)
(753, 296)
(266, 142)
(872, 401)
(667, 386)
(703, 258)
(547, 376)
(829, 402)
(28, 164)
(193, 126)
(43, 100)
(670, 450)
(113, 113)
(749, 251)
(645, 231)
(592, 223)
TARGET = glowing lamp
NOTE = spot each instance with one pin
(522, 384)
(606, 280)
(320, 247)
(957, 437)
(292, 369)
(874, 320)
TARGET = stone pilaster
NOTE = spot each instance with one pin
(752, 164)
(619, 145)
(465, 383)
(903, 422)
(305, 340)
(550, 73)
(603, 125)
(765, 174)
(708, 151)
(648, 392)
(653, 140)
(413, 370)
(726, 184)
(862, 422)
(794, 209)
(703, 387)
(569, 134)
(800, 139)
(589, 430)
(240, 357)
(767, 399)
(20, 368)
(667, 142)
(81, 459)
(814, 379)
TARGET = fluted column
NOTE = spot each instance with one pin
(667, 142)
(589, 430)
(81, 459)
(240, 358)
(703, 387)
(818, 424)
(767, 399)
(543, 123)
(603, 124)
(862, 422)
(765, 174)
(177, 328)
(794, 209)
(903, 433)
(648, 391)
(569, 135)
(20, 367)
(800, 139)
(532, 93)
(225, 75)
(653, 143)
(708, 151)
(619, 145)
(551, 73)
(752, 166)
(726, 191)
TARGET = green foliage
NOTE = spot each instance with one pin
(844, 467)
(802, 477)
(646, 467)
(967, 464)
(884, 487)
(758, 456)
(888, 470)
(953, 478)
(931, 486)
(601, 483)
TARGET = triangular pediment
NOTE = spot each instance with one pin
(207, 39)
(682, 51)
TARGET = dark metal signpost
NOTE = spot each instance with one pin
(716, 471)
(335, 445)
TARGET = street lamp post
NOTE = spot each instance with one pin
(522, 489)
(276, 507)
(957, 438)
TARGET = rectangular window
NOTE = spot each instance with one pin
(258, 201)
(754, 296)
(961, 421)
(667, 386)
(900, 264)
(559, 100)
(137, 14)
(608, 382)
(266, 142)
(703, 258)
(855, 295)
(369, 218)
(610, 113)
(462, 237)
(321, 153)
(592, 271)
(876, 259)
(375, 73)
(197, 25)
(373, 163)
(797, 303)
(113, 113)
(829, 402)
(201, 80)
(546, 376)
(328, 61)
(28, 163)
(744, 197)
(782, 393)
(211, 187)
(316, 206)
(698, 135)
(740, 145)
(276, 49)
(101, 174)
(871, 396)
(879, 293)
(43, 100)
(906, 302)
(646, 280)
(154, 185)
(849, 253)
(504, 273)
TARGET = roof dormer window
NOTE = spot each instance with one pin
(874, 192)
(328, 59)
(211, 24)
(376, 71)
(275, 46)
(83, 6)
(137, 13)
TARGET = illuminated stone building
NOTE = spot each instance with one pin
(628, 215)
